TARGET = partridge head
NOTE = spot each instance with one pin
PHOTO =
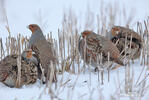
(34, 28)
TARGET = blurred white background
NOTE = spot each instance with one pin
(49, 13)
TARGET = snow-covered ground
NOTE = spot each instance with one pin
(84, 86)
(48, 14)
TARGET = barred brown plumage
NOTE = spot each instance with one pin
(9, 70)
(95, 45)
(133, 39)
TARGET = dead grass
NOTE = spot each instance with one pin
(66, 50)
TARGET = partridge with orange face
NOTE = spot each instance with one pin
(9, 69)
(94, 46)
(131, 47)
(43, 49)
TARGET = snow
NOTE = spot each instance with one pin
(81, 86)
(78, 87)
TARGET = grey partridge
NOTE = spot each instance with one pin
(131, 47)
(9, 69)
(43, 49)
(94, 46)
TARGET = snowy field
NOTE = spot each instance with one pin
(86, 85)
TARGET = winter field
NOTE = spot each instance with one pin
(62, 21)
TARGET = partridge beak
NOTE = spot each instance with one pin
(109, 35)
(27, 26)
